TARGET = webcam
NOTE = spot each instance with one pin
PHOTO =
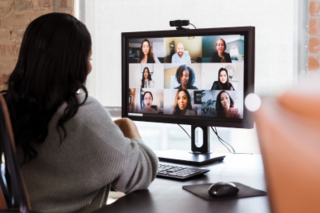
(179, 23)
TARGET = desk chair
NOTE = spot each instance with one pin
(289, 136)
(13, 194)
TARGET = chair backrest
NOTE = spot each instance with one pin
(13, 192)
(289, 138)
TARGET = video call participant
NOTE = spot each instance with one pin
(146, 54)
(185, 77)
(147, 101)
(182, 103)
(180, 56)
(55, 127)
(146, 81)
(223, 81)
(225, 106)
(221, 55)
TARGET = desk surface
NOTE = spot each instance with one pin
(166, 195)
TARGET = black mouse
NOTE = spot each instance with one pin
(223, 189)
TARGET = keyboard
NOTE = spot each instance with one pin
(179, 172)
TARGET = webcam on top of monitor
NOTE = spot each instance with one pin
(179, 23)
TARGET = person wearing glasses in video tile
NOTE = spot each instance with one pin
(147, 101)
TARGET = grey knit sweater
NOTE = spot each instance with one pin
(76, 175)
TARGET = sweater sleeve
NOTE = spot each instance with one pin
(128, 164)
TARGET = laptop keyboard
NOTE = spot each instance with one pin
(179, 172)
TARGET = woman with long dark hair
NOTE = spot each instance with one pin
(221, 55)
(182, 103)
(146, 54)
(70, 150)
(225, 106)
(223, 81)
(146, 81)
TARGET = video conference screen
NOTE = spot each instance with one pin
(198, 76)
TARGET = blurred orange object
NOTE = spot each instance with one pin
(289, 134)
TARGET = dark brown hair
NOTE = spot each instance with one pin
(219, 108)
(225, 47)
(220, 83)
(150, 53)
(51, 68)
(176, 109)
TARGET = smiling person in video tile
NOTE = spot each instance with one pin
(146, 81)
(146, 54)
(182, 103)
(225, 106)
(147, 101)
(181, 56)
(185, 77)
(221, 55)
(223, 81)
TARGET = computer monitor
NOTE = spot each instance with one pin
(198, 77)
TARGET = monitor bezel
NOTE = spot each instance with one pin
(249, 62)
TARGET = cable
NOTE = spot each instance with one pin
(224, 143)
(193, 25)
(184, 130)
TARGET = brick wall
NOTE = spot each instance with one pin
(15, 15)
(314, 36)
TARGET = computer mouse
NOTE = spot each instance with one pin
(223, 189)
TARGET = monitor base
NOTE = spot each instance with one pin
(189, 158)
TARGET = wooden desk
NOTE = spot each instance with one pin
(167, 196)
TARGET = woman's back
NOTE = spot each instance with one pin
(70, 149)
(68, 176)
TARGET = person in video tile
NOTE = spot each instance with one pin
(147, 101)
(225, 106)
(221, 55)
(146, 81)
(223, 81)
(146, 54)
(185, 77)
(180, 56)
(182, 103)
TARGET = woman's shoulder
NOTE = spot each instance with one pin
(215, 85)
(91, 108)
(215, 53)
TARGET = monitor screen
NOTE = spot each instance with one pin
(197, 77)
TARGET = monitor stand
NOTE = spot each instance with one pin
(200, 150)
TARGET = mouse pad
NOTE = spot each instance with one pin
(201, 190)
